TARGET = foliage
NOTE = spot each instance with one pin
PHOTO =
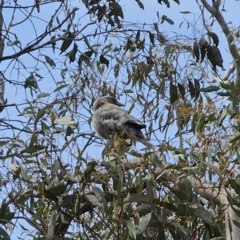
(52, 184)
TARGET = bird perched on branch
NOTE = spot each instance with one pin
(110, 119)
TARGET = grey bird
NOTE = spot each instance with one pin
(109, 119)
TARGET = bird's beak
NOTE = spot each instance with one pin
(119, 104)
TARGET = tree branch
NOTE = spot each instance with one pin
(214, 10)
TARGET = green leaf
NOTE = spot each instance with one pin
(191, 89)
(222, 116)
(165, 18)
(33, 140)
(226, 86)
(50, 61)
(44, 126)
(13, 43)
(33, 149)
(140, 4)
(94, 201)
(131, 228)
(210, 89)
(137, 36)
(177, 1)
(66, 120)
(143, 223)
(85, 57)
(72, 54)
(60, 87)
(30, 82)
(69, 131)
(181, 90)
(100, 196)
(56, 191)
(151, 37)
(101, 12)
(53, 43)
(205, 215)
(224, 94)
(4, 235)
(185, 12)
(116, 70)
(197, 88)
(200, 124)
(104, 60)
(117, 10)
(67, 42)
(173, 93)
(40, 114)
(2, 143)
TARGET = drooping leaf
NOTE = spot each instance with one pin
(185, 12)
(61, 87)
(92, 2)
(200, 124)
(140, 4)
(69, 131)
(13, 43)
(101, 12)
(217, 56)
(33, 149)
(104, 60)
(4, 235)
(143, 223)
(53, 43)
(72, 54)
(117, 9)
(131, 228)
(85, 57)
(40, 114)
(31, 82)
(191, 89)
(214, 37)
(173, 93)
(137, 36)
(165, 18)
(211, 57)
(67, 42)
(151, 37)
(196, 50)
(116, 70)
(164, 1)
(181, 90)
(197, 88)
(100, 196)
(210, 89)
(50, 61)
(205, 215)
(66, 120)
(202, 43)
(203, 53)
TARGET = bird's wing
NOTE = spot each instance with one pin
(116, 118)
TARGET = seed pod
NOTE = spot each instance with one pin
(203, 53)
(197, 88)
(181, 90)
(214, 37)
(217, 56)
(202, 43)
(196, 50)
(210, 57)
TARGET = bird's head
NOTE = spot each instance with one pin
(104, 100)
